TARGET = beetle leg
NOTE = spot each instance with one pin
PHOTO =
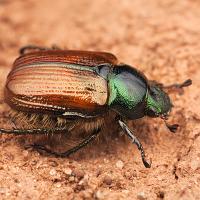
(29, 131)
(55, 47)
(36, 48)
(31, 47)
(134, 139)
(72, 150)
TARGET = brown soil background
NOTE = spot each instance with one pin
(161, 38)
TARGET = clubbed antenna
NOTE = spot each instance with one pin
(186, 83)
(172, 127)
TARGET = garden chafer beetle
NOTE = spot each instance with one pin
(82, 86)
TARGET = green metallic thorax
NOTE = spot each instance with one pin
(127, 88)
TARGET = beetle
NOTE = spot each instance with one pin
(82, 86)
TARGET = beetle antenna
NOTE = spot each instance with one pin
(186, 83)
(172, 127)
(134, 139)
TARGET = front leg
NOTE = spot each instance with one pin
(134, 140)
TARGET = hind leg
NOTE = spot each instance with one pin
(86, 141)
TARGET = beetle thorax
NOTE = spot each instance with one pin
(128, 89)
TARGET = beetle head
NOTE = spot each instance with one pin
(158, 102)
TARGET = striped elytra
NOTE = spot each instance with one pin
(58, 81)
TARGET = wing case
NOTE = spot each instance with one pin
(44, 84)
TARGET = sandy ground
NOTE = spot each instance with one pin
(161, 38)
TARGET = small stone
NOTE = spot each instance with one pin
(52, 172)
(107, 180)
(141, 196)
(68, 171)
(81, 182)
(58, 185)
(120, 164)
(25, 153)
(71, 179)
(195, 164)
(99, 195)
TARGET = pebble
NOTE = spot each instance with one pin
(141, 196)
(68, 171)
(52, 172)
(71, 179)
(195, 164)
(120, 164)
(99, 195)
(58, 185)
(107, 180)
(25, 153)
